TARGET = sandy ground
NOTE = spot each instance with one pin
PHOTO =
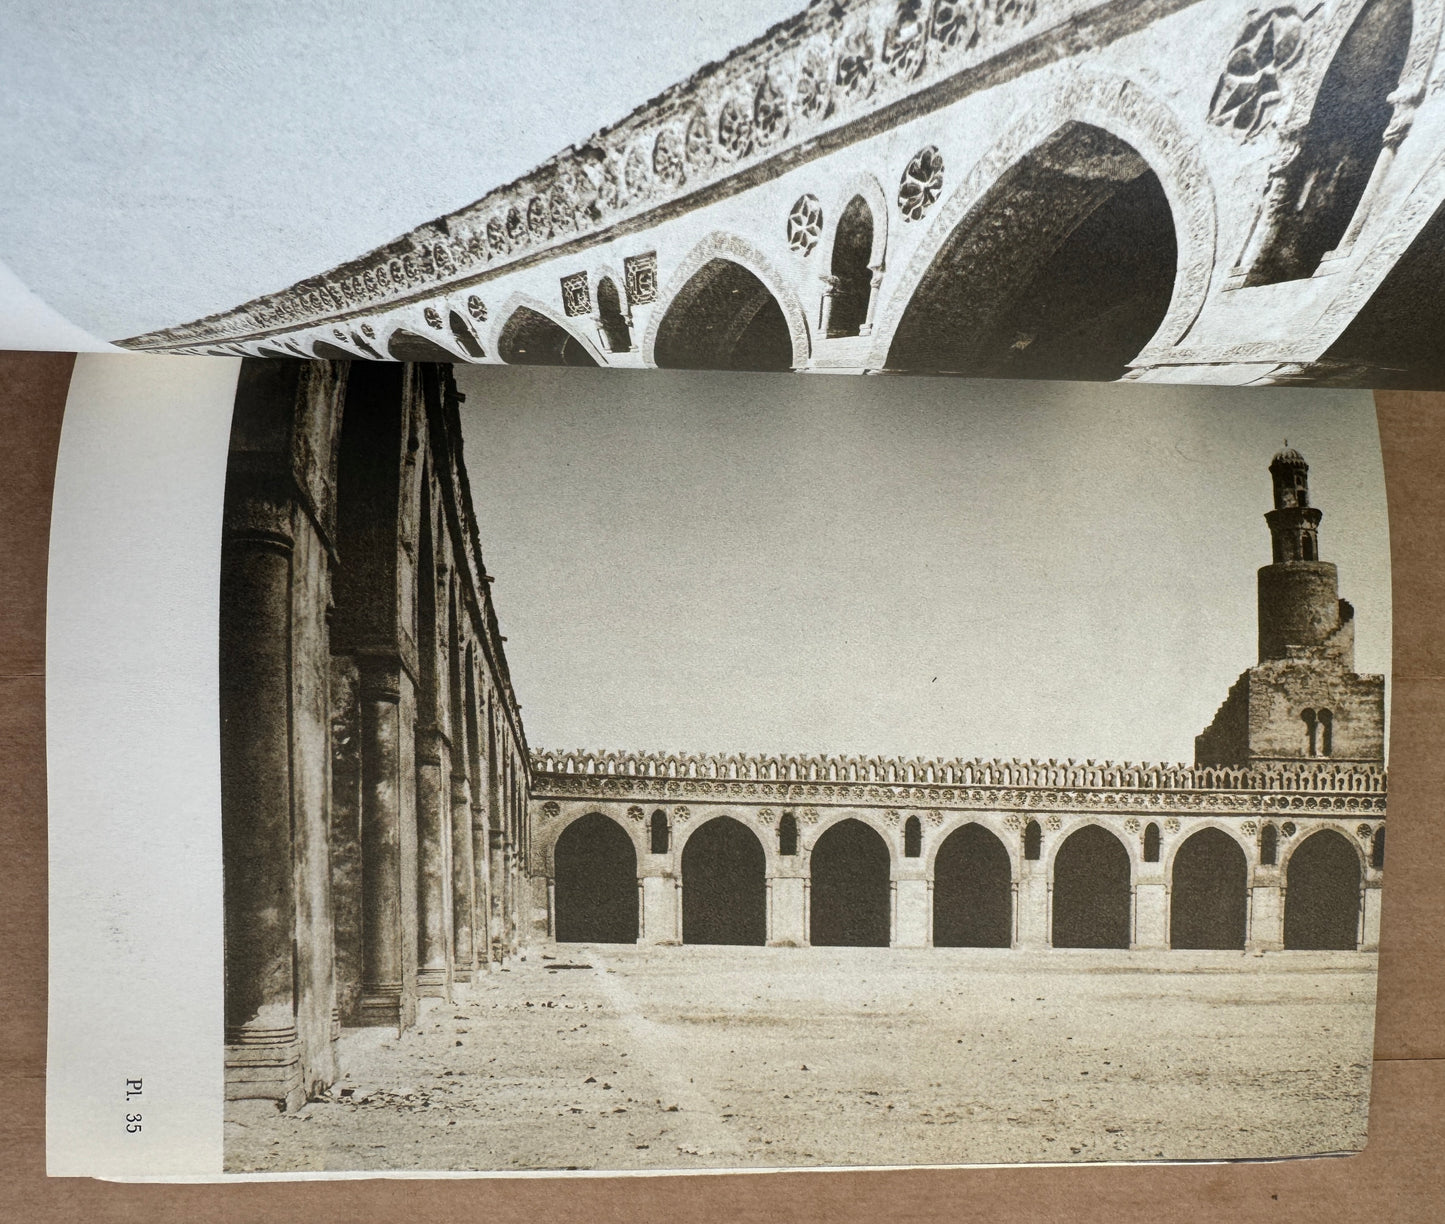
(696, 1057)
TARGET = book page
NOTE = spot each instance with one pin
(474, 772)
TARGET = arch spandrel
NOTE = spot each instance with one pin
(1122, 108)
(734, 249)
(1302, 834)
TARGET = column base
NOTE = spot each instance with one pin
(385, 1007)
(265, 1064)
(431, 983)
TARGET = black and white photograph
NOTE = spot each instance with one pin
(930, 773)
(1169, 191)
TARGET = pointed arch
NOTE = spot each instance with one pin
(850, 891)
(972, 890)
(1126, 115)
(404, 345)
(612, 318)
(724, 884)
(1322, 898)
(464, 336)
(716, 266)
(1092, 890)
(528, 332)
(1209, 892)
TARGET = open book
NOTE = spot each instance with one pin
(669, 765)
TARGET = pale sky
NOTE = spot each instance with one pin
(165, 160)
(717, 562)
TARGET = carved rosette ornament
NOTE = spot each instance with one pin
(809, 815)
(1131, 825)
(813, 87)
(766, 815)
(1012, 822)
(681, 815)
(634, 813)
(805, 224)
(956, 24)
(1249, 828)
(576, 296)
(1055, 823)
(935, 817)
(339, 334)
(637, 172)
(906, 41)
(477, 308)
(669, 162)
(1287, 829)
(551, 809)
(854, 75)
(921, 184)
(891, 815)
(734, 130)
(1363, 832)
(1171, 825)
(770, 112)
(432, 316)
(697, 142)
(1251, 88)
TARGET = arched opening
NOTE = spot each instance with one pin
(265, 350)
(407, 346)
(1208, 901)
(1325, 181)
(788, 834)
(1268, 846)
(912, 837)
(724, 318)
(724, 885)
(1064, 269)
(1397, 340)
(1377, 849)
(356, 339)
(657, 832)
(595, 880)
(1091, 891)
(1327, 732)
(852, 277)
(465, 337)
(1312, 731)
(611, 318)
(1033, 841)
(1151, 842)
(1322, 893)
(531, 338)
(972, 891)
(849, 893)
(327, 351)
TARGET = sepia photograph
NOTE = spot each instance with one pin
(713, 772)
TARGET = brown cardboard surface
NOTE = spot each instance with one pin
(1399, 1178)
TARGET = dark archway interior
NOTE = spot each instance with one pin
(1064, 270)
(464, 336)
(609, 314)
(724, 319)
(1397, 341)
(724, 885)
(1209, 893)
(1327, 178)
(595, 881)
(408, 346)
(1322, 893)
(531, 338)
(1091, 891)
(972, 891)
(852, 250)
(849, 894)
(331, 352)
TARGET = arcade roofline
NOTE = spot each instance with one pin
(833, 75)
(824, 777)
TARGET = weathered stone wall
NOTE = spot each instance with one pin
(350, 833)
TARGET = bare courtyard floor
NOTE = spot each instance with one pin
(617, 1057)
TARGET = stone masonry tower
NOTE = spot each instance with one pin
(1303, 698)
